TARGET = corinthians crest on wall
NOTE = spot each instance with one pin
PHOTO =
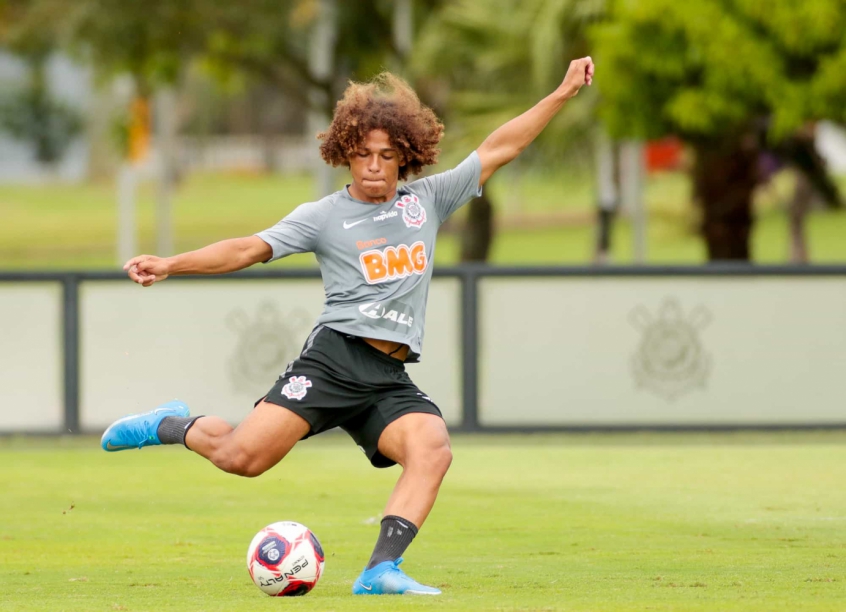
(267, 342)
(670, 360)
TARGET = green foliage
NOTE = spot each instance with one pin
(33, 115)
(270, 41)
(710, 67)
(263, 40)
(497, 58)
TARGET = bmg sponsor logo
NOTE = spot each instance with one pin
(394, 263)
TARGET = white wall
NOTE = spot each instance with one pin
(31, 378)
(220, 345)
(607, 351)
(663, 351)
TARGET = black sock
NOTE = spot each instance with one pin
(395, 536)
(172, 430)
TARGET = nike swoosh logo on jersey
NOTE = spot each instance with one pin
(365, 587)
(349, 225)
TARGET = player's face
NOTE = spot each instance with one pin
(375, 169)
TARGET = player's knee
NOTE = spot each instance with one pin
(242, 463)
(434, 458)
(443, 459)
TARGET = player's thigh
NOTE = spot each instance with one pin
(389, 423)
(414, 436)
(268, 433)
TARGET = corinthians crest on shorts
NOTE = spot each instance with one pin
(296, 388)
(413, 214)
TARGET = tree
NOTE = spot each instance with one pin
(31, 113)
(732, 78)
(266, 41)
(495, 59)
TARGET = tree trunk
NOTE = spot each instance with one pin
(607, 189)
(725, 174)
(477, 234)
(800, 205)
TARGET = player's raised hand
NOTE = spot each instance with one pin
(579, 73)
(146, 269)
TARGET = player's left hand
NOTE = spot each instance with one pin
(579, 73)
(147, 269)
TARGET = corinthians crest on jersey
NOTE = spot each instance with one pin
(413, 214)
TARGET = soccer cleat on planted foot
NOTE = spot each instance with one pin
(388, 579)
(139, 430)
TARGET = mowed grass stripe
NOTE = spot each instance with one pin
(744, 522)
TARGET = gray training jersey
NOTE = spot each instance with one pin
(376, 259)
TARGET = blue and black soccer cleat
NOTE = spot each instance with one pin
(139, 430)
(388, 579)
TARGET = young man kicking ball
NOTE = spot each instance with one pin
(374, 242)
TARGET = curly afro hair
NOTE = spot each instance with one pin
(385, 103)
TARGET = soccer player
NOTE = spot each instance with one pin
(374, 241)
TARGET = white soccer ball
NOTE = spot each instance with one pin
(285, 559)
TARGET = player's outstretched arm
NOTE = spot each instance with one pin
(218, 258)
(508, 141)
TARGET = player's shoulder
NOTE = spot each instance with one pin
(318, 209)
(325, 203)
(313, 216)
(436, 174)
(421, 187)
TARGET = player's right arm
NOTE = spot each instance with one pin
(299, 232)
(218, 258)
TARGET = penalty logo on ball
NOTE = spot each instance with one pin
(413, 214)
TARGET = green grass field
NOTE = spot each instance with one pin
(74, 227)
(550, 522)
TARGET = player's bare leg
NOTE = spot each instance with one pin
(261, 441)
(419, 442)
(255, 446)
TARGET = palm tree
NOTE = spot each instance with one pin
(494, 59)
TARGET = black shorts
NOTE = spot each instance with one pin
(341, 381)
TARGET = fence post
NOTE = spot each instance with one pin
(70, 332)
(470, 349)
